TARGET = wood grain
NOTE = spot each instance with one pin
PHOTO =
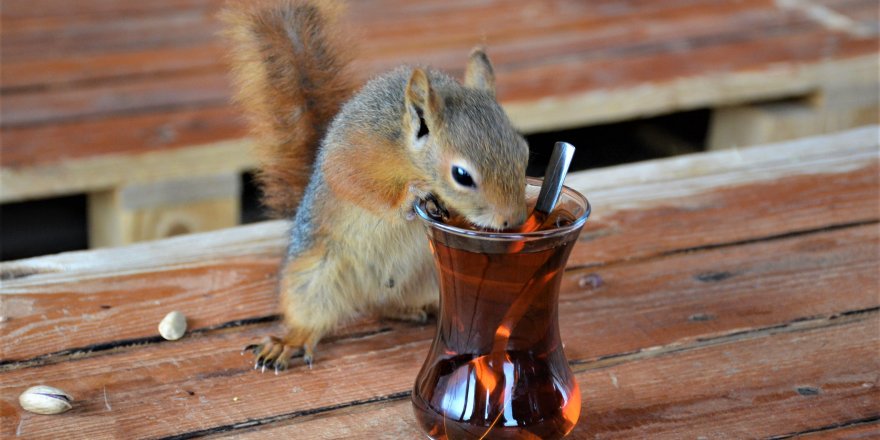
(722, 391)
(560, 64)
(661, 305)
(866, 430)
(149, 94)
(683, 196)
(74, 143)
(750, 311)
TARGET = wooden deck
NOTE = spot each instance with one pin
(122, 98)
(731, 294)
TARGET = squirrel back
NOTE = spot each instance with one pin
(291, 80)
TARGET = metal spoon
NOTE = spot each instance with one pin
(554, 175)
(551, 188)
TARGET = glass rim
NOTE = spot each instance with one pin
(514, 236)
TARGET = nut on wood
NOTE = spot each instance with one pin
(42, 399)
(173, 326)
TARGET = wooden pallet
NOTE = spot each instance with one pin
(731, 294)
(120, 98)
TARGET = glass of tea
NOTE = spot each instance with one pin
(496, 368)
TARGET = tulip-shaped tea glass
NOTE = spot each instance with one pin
(496, 369)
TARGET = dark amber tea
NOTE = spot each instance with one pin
(496, 368)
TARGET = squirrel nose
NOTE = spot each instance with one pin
(514, 219)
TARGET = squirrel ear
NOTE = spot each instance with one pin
(423, 106)
(420, 94)
(479, 73)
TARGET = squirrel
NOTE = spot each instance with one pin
(347, 165)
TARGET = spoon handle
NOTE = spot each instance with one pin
(554, 175)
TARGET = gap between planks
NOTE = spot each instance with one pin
(603, 362)
(835, 428)
(117, 345)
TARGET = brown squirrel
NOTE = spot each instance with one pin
(349, 166)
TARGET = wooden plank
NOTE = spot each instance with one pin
(700, 183)
(863, 12)
(642, 308)
(164, 209)
(108, 171)
(51, 37)
(832, 107)
(654, 211)
(719, 391)
(548, 105)
(91, 68)
(854, 17)
(37, 314)
(547, 36)
(587, 73)
(145, 95)
(23, 9)
(657, 305)
(37, 146)
(395, 38)
(867, 430)
(536, 38)
(755, 124)
(79, 141)
(49, 177)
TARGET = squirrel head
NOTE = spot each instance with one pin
(462, 139)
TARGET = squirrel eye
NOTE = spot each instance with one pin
(462, 177)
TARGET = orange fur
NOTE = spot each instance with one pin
(290, 80)
(377, 180)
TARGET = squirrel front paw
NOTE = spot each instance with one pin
(418, 190)
(419, 315)
(275, 353)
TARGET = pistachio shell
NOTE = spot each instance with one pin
(42, 399)
(173, 326)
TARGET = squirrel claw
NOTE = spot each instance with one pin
(273, 354)
(251, 347)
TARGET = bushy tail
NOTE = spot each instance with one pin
(288, 61)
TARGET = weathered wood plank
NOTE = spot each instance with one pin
(160, 210)
(751, 388)
(854, 17)
(123, 135)
(535, 37)
(854, 431)
(653, 211)
(105, 67)
(25, 9)
(660, 305)
(582, 61)
(110, 171)
(30, 175)
(755, 215)
(393, 26)
(147, 94)
(50, 37)
(524, 75)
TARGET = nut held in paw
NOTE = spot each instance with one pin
(43, 399)
(173, 326)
